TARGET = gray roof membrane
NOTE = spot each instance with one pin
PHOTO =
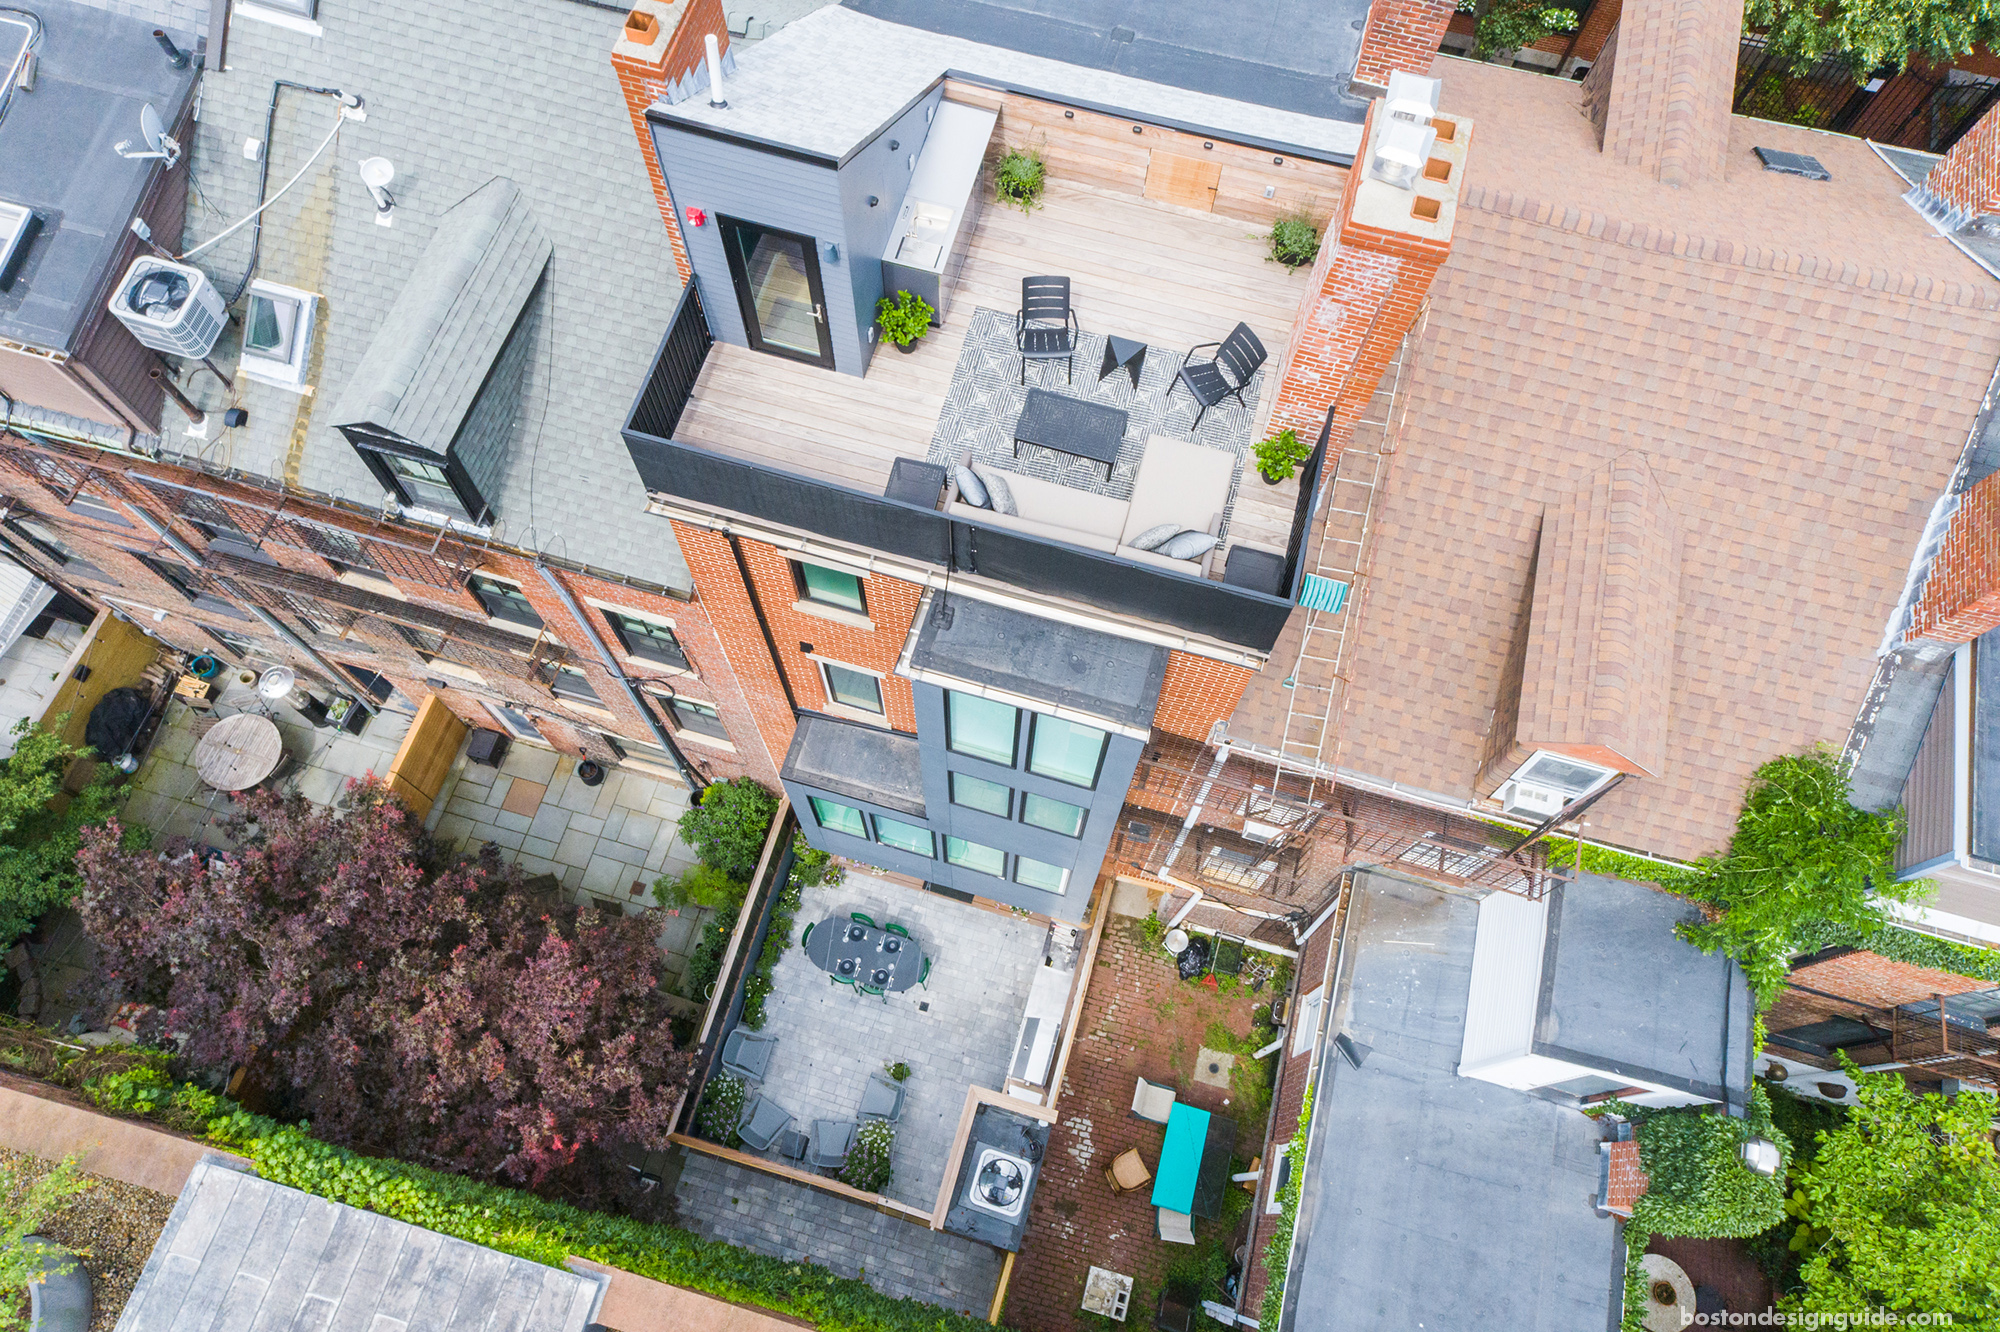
(96, 71)
(241, 1252)
(1432, 1200)
(1621, 992)
(1061, 664)
(432, 354)
(863, 762)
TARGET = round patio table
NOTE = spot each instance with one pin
(239, 752)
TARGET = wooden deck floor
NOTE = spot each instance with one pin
(1167, 276)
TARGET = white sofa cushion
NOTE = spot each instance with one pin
(1178, 482)
(966, 513)
(1065, 506)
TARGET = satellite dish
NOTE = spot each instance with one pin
(276, 683)
(157, 143)
(376, 173)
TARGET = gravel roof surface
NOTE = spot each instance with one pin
(115, 1225)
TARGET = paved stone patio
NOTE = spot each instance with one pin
(730, 1202)
(957, 1032)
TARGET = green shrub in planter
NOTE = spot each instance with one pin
(1294, 240)
(904, 319)
(867, 1165)
(722, 1109)
(1020, 179)
(727, 828)
(1279, 456)
(700, 886)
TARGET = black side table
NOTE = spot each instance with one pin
(1258, 570)
(915, 482)
(1123, 353)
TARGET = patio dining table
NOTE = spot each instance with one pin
(865, 954)
(1194, 1161)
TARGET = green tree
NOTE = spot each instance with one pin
(1802, 857)
(727, 828)
(1870, 34)
(41, 826)
(1901, 1208)
(29, 1198)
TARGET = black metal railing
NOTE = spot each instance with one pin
(1305, 510)
(670, 383)
(1907, 109)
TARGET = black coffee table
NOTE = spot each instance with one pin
(1071, 425)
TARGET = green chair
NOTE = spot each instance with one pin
(896, 928)
(924, 976)
(860, 919)
(870, 989)
(840, 980)
(806, 938)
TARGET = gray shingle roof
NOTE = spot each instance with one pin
(431, 355)
(243, 1253)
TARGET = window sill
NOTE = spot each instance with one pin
(835, 614)
(862, 715)
(658, 668)
(277, 18)
(708, 741)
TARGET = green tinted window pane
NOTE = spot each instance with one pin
(981, 727)
(975, 857)
(855, 689)
(1065, 751)
(1036, 874)
(904, 836)
(832, 587)
(1057, 816)
(836, 817)
(978, 793)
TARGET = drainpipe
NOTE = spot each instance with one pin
(277, 626)
(173, 543)
(694, 781)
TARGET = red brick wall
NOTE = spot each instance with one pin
(1969, 176)
(1197, 693)
(1367, 286)
(644, 71)
(1870, 978)
(1961, 598)
(1401, 35)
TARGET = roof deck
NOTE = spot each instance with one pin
(1141, 270)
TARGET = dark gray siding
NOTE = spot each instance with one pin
(1928, 792)
(876, 170)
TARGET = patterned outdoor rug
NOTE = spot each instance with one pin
(986, 398)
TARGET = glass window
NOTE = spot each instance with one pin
(905, 836)
(422, 483)
(504, 601)
(625, 746)
(1039, 874)
(978, 793)
(836, 817)
(700, 718)
(234, 644)
(573, 686)
(851, 688)
(44, 539)
(829, 587)
(975, 857)
(980, 727)
(1058, 816)
(272, 324)
(648, 640)
(515, 722)
(1065, 751)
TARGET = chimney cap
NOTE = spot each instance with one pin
(1412, 97)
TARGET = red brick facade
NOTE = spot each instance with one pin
(1961, 598)
(647, 61)
(1969, 176)
(1401, 35)
(341, 583)
(1870, 978)
(1197, 693)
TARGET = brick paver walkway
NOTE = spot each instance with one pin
(1139, 1019)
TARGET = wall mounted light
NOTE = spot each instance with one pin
(893, 145)
(1207, 144)
(1138, 129)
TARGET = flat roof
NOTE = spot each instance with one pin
(1294, 55)
(828, 82)
(1409, 1161)
(243, 1252)
(857, 760)
(1620, 991)
(96, 72)
(1064, 665)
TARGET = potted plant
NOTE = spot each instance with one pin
(35, 1271)
(904, 319)
(1280, 455)
(1294, 240)
(1020, 177)
(899, 1070)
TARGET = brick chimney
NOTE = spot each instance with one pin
(1384, 246)
(1966, 184)
(1961, 597)
(1660, 92)
(660, 46)
(1401, 35)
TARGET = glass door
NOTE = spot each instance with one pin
(776, 275)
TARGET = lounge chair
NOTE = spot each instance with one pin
(831, 1140)
(763, 1120)
(1127, 1171)
(1173, 1227)
(882, 1098)
(747, 1053)
(1045, 329)
(1152, 1101)
(1223, 375)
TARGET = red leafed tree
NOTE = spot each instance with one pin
(407, 1005)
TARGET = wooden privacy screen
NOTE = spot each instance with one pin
(417, 774)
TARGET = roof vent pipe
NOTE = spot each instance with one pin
(715, 97)
(174, 53)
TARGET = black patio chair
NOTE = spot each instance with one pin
(1223, 375)
(1045, 329)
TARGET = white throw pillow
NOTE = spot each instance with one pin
(1189, 546)
(970, 488)
(1155, 537)
(998, 491)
